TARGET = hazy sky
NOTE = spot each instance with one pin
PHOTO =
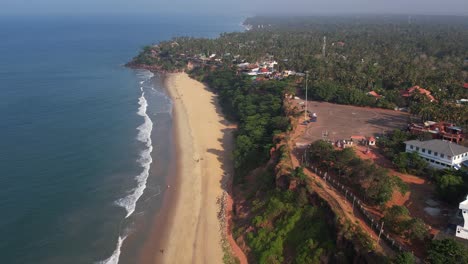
(247, 7)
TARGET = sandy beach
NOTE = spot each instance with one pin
(192, 230)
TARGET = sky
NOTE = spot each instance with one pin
(245, 7)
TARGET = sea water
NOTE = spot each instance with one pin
(85, 143)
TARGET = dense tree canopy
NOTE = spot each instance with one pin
(361, 55)
(447, 251)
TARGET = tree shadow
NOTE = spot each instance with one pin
(388, 122)
(218, 108)
(224, 155)
(228, 209)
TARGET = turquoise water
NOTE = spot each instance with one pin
(77, 130)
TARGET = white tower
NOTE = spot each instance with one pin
(462, 231)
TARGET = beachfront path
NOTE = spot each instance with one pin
(204, 148)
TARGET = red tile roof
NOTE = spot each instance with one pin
(465, 85)
(409, 92)
(373, 93)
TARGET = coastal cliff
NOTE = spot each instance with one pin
(275, 214)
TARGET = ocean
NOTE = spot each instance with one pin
(85, 143)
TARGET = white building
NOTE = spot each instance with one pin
(462, 231)
(438, 153)
(272, 64)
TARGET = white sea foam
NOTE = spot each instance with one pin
(114, 258)
(145, 75)
(145, 160)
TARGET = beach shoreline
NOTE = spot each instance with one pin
(188, 227)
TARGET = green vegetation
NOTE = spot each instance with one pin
(452, 185)
(330, 91)
(392, 147)
(392, 143)
(370, 181)
(370, 54)
(400, 184)
(228, 257)
(411, 163)
(398, 220)
(287, 225)
(404, 258)
(447, 251)
(362, 55)
(256, 107)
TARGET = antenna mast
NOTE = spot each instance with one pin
(324, 46)
(306, 101)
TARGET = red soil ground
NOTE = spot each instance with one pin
(420, 191)
(236, 250)
(342, 122)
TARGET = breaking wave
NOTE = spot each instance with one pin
(145, 160)
(144, 135)
(114, 258)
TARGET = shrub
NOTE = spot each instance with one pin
(446, 251)
(404, 258)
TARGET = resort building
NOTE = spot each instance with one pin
(462, 231)
(438, 153)
(438, 130)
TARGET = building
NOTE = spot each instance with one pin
(272, 64)
(411, 91)
(374, 94)
(264, 71)
(343, 143)
(243, 65)
(438, 130)
(462, 231)
(371, 141)
(287, 73)
(438, 153)
(362, 140)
